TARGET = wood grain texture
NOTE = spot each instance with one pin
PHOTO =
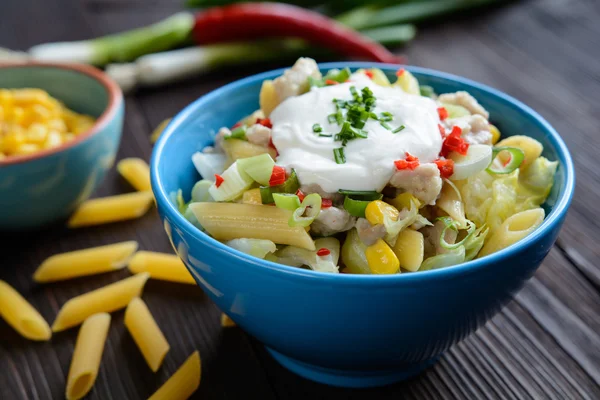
(545, 344)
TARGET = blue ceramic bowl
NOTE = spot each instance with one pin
(352, 330)
(44, 187)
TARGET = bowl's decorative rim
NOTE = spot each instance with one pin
(554, 217)
(115, 98)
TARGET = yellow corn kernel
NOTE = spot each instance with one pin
(37, 133)
(495, 133)
(17, 115)
(54, 139)
(12, 141)
(252, 196)
(381, 258)
(410, 249)
(27, 148)
(404, 200)
(376, 210)
(57, 124)
(24, 96)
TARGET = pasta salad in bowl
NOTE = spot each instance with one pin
(357, 218)
(348, 172)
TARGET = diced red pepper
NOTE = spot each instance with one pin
(331, 82)
(218, 180)
(400, 72)
(273, 146)
(326, 203)
(443, 113)
(278, 176)
(323, 252)
(369, 74)
(442, 130)
(410, 162)
(264, 122)
(237, 124)
(454, 142)
(300, 195)
(446, 167)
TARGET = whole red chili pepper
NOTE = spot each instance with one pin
(247, 21)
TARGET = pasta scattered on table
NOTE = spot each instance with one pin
(166, 267)
(146, 333)
(226, 321)
(105, 299)
(85, 262)
(21, 315)
(183, 383)
(87, 355)
(111, 209)
(137, 172)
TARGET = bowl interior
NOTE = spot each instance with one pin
(78, 91)
(194, 128)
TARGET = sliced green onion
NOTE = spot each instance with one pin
(331, 118)
(200, 191)
(427, 91)
(386, 116)
(356, 208)
(337, 75)
(338, 154)
(258, 167)
(362, 194)
(393, 35)
(287, 201)
(291, 185)
(361, 133)
(317, 128)
(385, 125)
(325, 135)
(516, 158)
(306, 214)
(399, 129)
(315, 82)
(237, 133)
(451, 224)
(235, 182)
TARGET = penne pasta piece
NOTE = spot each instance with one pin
(106, 299)
(87, 355)
(531, 148)
(111, 209)
(183, 383)
(146, 333)
(226, 221)
(227, 322)
(90, 261)
(515, 228)
(159, 130)
(21, 315)
(137, 172)
(167, 267)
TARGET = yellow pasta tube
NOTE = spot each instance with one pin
(137, 172)
(21, 315)
(410, 249)
(106, 299)
(513, 229)
(87, 355)
(111, 209)
(90, 261)
(146, 333)
(227, 322)
(167, 267)
(226, 221)
(183, 383)
(159, 130)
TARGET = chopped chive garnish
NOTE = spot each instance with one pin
(386, 116)
(355, 94)
(399, 129)
(361, 133)
(338, 154)
(331, 118)
(339, 118)
(325, 135)
(385, 125)
(317, 128)
(237, 133)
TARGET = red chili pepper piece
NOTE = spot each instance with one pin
(400, 72)
(264, 122)
(278, 176)
(410, 162)
(454, 142)
(442, 130)
(323, 252)
(331, 82)
(273, 146)
(218, 180)
(326, 203)
(300, 195)
(248, 21)
(443, 113)
(237, 124)
(446, 167)
(369, 74)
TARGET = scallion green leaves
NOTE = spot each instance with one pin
(339, 156)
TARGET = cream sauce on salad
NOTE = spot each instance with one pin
(369, 162)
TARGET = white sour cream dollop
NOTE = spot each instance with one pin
(369, 162)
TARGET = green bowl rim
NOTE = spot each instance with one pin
(115, 99)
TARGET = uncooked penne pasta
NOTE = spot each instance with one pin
(90, 261)
(111, 209)
(159, 130)
(87, 355)
(226, 322)
(146, 333)
(226, 221)
(21, 315)
(183, 383)
(106, 299)
(513, 229)
(137, 172)
(167, 267)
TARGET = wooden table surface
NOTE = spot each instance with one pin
(544, 344)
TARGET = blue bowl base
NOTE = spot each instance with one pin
(350, 378)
